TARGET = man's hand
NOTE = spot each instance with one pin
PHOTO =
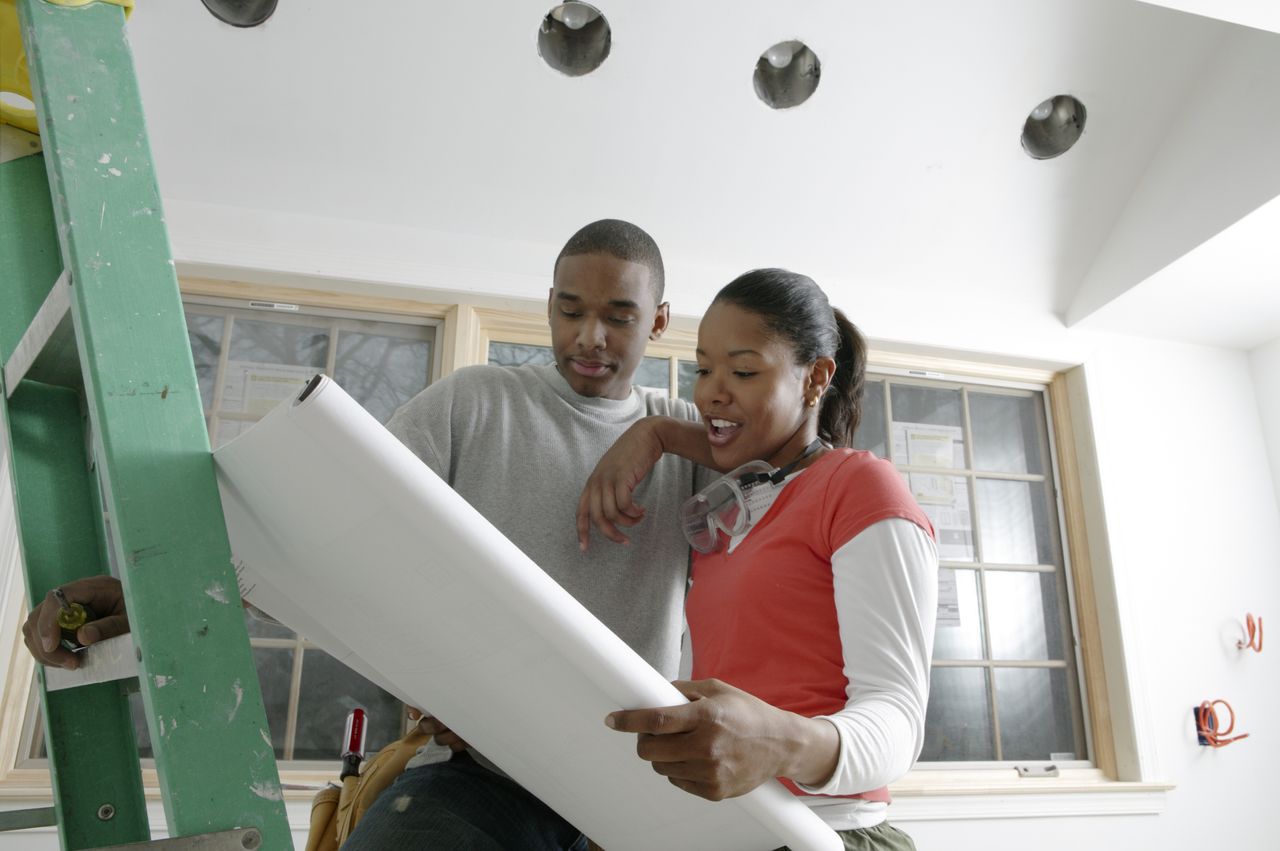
(725, 742)
(102, 595)
(606, 499)
(439, 733)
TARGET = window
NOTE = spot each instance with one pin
(653, 373)
(977, 458)
(250, 354)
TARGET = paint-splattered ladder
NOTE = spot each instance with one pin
(107, 345)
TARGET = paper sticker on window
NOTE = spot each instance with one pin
(948, 599)
(922, 445)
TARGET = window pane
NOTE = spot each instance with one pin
(268, 362)
(1006, 432)
(686, 373)
(228, 430)
(140, 731)
(514, 354)
(259, 628)
(957, 725)
(930, 405)
(275, 674)
(381, 372)
(927, 428)
(945, 499)
(1023, 608)
(962, 640)
(275, 670)
(205, 334)
(330, 690)
(1035, 721)
(654, 373)
(1014, 518)
(870, 434)
(279, 343)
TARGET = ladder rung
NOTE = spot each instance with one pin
(47, 350)
(27, 819)
(239, 839)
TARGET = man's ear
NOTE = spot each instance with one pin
(551, 294)
(661, 319)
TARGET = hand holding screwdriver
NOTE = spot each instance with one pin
(99, 595)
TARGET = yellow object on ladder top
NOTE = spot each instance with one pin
(17, 106)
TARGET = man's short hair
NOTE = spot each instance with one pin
(622, 240)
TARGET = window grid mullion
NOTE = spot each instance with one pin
(1010, 568)
(220, 377)
(331, 357)
(966, 433)
(295, 692)
(1000, 663)
(1034, 478)
(888, 420)
(1076, 683)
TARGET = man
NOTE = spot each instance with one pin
(518, 444)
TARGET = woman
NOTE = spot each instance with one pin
(814, 593)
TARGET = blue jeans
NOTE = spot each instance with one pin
(460, 806)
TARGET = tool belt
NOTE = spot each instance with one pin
(335, 810)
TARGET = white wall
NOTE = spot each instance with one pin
(1265, 363)
(1194, 534)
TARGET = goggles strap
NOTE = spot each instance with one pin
(782, 472)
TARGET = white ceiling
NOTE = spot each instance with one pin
(432, 135)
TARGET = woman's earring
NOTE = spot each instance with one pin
(813, 402)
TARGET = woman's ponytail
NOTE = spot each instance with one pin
(842, 403)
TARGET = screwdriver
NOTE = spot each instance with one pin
(71, 616)
(353, 739)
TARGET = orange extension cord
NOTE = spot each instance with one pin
(1207, 725)
(1254, 630)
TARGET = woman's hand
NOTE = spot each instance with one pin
(606, 500)
(725, 742)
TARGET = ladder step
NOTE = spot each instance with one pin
(113, 659)
(47, 350)
(241, 839)
(26, 819)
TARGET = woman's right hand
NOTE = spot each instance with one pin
(606, 501)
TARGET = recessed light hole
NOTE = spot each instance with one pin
(1053, 126)
(574, 38)
(787, 74)
(241, 13)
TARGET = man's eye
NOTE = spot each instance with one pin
(702, 370)
(622, 320)
(742, 373)
(571, 314)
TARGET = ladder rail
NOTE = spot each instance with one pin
(212, 748)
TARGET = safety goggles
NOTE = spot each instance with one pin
(722, 506)
(725, 505)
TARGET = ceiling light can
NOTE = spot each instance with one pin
(1053, 127)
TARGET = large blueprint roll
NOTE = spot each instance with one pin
(342, 534)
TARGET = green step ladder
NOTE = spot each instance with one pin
(101, 410)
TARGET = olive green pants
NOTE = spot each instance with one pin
(882, 837)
